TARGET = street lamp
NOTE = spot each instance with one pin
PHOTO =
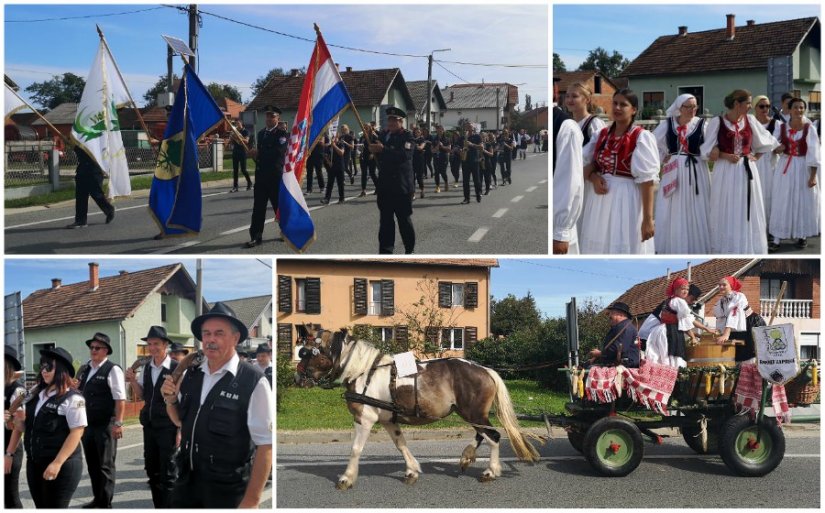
(430, 83)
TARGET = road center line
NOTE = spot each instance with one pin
(500, 212)
(543, 181)
(479, 234)
(517, 199)
(531, 189)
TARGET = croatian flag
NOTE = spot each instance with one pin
(323, 97)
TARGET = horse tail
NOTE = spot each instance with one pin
(525, 451)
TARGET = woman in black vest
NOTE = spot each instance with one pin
(53, 422)
(13, 459)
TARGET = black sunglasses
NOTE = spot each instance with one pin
(46, 366)
(760, 106)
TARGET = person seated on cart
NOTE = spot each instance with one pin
(732, 312)
(619, 345)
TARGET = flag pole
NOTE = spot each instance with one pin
(56, 131)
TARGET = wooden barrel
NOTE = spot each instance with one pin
(710, 354)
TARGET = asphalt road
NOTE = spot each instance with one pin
(670, 476)
(511, 220)
(131, 488)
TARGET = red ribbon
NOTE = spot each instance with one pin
(792, 150)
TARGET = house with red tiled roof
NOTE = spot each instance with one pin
(761, 280)
(599, 84)
(122, 306)
(764, 58)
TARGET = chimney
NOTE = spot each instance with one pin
(123, 273)
(294, 72)
(94, 278)
(731, 30)
(451, 95)
(689, 271)
(668, 274)
(751, 23)
(56, 282)
(349, 69)
(683, 30)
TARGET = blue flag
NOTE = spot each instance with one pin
(175, 195)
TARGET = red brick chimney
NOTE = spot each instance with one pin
(730, 33)
(683, 30)
(751, 23)
(94, 277)
(56, 282)
(349, 69)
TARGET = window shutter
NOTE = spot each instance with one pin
(387, 297)
(313, 292)
(470, 336)
(284, 294)
(360, 295)
(445, 294)
(431, 333)
(402, 336)
(471, 294)
(285, 339)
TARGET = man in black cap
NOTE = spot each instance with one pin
(619, 345)
(263, 360)
(177, 351)
(273, 143)
(159, 433)
(224, 408)
(88, 182)
(469, 167)
(395, 183)
(104, 389)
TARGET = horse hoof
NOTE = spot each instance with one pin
(343, 485)
(466, 462)
(486, 477)
(411, 479)
(468, 456)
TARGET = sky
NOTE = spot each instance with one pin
(629, 29)
(222, 278)
(238, 55)
(553, 282)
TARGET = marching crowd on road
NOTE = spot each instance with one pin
(206, 418)
(763, 186)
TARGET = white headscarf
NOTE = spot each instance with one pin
(673, 110)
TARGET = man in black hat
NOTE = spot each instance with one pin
(224, 408)
(177, 351)
(263, 360)
(13, 458)
(88, 182)
(619, 345)
(395, 183)
(159, 433)
(270, 153)
(103, 386)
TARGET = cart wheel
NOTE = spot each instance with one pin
(691, 432)
(576, 437)
(742, 453)
(613, 446)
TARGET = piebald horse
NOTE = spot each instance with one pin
(441, 387)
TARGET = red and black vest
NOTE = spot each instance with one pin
(665, 313)
(613, 154)
(694, 139)
(794, 148)
(726, 140)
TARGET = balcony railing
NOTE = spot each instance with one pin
(788, 308)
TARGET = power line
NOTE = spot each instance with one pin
(497, 65)
(601, 275)
(85, 16)
(450, 72)
(268, 265)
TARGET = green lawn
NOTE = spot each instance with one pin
(316, 408)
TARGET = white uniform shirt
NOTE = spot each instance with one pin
(730, 312)
(156, 369)
(73, 408)
(568, 182)
(116, 380)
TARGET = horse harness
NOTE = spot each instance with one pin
(392, 405)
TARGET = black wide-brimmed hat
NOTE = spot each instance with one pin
(621, 307)
(61, 354)
(103, 338)
(177, 347)
(157, 332)
(222, 311)
(395, 112)
(273, 109)
(263, 348)
(11, 355)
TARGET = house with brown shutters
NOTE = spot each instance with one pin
(122, 306)
(599, 84)
(761, 280)
(445, 300)
(764, 58)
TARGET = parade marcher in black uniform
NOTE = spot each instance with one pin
(395, 183)
(159, 433)
(53, 422)
(428, 151)
(506, 146)
(88, 182)
(224, 408)
(469, 165)
(315, 166)
(13, 458)
(419, 167)
(337, 169)
(489, 160)
(457, 143)
(442, 148)
(104, 390)
(269, 166)
(239, 156)
(263, 360)
(347, 142)
(368, 162)
(177, 351)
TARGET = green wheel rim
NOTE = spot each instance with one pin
(749, 450)
(614, 448)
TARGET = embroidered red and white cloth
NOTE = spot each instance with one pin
(651, 384)
(603, 384)
(749, 394)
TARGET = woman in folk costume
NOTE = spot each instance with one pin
(731, 312)
(766, 162)
(666, 342)
(796, 193)
(733, 141)
(624, 169)
(682, 201)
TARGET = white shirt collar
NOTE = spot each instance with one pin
(167, 363)
(92, 363)
(231, 366)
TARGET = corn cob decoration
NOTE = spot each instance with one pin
(814, 375)
(581, 384)
(708, 378)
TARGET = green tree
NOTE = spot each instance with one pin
(512, 314)
(60, 89)
(151, 96)
(558, 64)
(528, 103)
(610, 65)
(425, 313)
(219, 91)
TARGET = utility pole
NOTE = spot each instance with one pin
(430, 84)
(198, 294)
(193, 34)
(169, 55)
(498, 113)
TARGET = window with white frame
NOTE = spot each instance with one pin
(374, 307)
(458, 294)
(452, 338)
(382, 333)
(301, 295)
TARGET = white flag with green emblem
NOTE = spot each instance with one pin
(96, 127)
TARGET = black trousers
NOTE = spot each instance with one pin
(58, 493)
(392, 207)
(89, 184)
(194, 491)
(316, 168)
(489, 172)
(239, 160)
(336, 174)
(420, 172)
(100, 450)
(441, 171)
(265, 192)
(158, 457)
(506, 169)
(455, 166)
(428, 161)
(368, 167)
(469, 169)
(12, 481)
